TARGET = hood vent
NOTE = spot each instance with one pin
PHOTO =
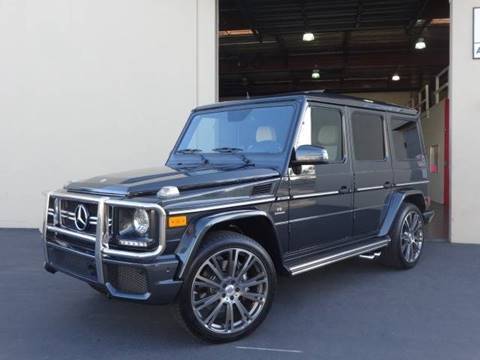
(262, 189)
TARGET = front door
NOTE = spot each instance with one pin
(321, 195)
(372, 166)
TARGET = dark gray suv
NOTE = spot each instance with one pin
(252, 189)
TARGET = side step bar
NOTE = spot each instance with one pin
(333, 258)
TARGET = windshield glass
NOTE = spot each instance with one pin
(253, 130)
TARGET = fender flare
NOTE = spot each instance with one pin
(397, 198)
(192, 237)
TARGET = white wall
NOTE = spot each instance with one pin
(465, 125)
(434, 134)
(95, 86)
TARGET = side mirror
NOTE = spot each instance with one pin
(309, 154)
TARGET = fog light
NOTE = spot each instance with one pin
(141, 221)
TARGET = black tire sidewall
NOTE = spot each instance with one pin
(215, 242)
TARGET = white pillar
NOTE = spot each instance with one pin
(464, 125)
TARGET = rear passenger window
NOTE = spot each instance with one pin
(368, 136)
(406, 139)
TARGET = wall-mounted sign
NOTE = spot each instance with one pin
(476, 33)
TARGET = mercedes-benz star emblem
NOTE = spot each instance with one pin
(81, 217)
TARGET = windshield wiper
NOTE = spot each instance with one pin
(235, 151)
(194, 152)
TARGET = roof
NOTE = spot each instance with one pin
(319, 96)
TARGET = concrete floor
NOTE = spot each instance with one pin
(352, 310)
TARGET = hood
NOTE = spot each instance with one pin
(149, 181)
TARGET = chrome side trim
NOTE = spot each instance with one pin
(413, 183)
(312, 195)
(315, 264)
(223, 206)
(71, 233)
(369, 188)
(283, 198)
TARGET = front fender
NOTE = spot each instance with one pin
(396, 200)
(195, 232)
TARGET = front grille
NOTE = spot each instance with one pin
(67, 218)
(128, 279)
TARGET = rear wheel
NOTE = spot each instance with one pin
(407, 236)
(229, 289)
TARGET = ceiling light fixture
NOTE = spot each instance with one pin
(308, 36)
(316, 74)
(395, 77)
(420, 44)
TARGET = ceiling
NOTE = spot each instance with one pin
(358, 46)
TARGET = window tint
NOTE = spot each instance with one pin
(368, 136)
(323, 128)
(406, 139)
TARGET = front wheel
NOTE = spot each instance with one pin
(407, 236)
(229, 289)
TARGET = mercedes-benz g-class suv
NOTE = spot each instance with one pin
(251, 189)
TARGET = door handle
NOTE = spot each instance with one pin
(344, 190)
(387, 185)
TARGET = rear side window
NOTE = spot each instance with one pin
(368, 136)
(406, 139)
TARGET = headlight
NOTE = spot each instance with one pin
(141, 221)
(135, 228)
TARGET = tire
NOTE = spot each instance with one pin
(407, 235)
(215, 302)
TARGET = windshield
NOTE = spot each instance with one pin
(253, 130)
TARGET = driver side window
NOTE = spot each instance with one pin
(323, 127)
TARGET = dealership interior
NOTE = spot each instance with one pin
(394, 51)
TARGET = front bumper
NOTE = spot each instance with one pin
(150, 283)
(144, 277)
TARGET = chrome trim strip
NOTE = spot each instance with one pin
(298, 269)
(414, 183)
(283, 198)
(320, 216)
(312, 195)
(71, 233)
(368, 188)
(223, 206)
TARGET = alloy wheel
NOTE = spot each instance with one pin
(229, 290)
(412, 236)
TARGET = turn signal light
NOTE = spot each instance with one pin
(177, 221)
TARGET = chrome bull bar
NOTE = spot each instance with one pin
(101, 238)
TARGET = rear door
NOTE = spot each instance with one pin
(372, 166)
(321, 202)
